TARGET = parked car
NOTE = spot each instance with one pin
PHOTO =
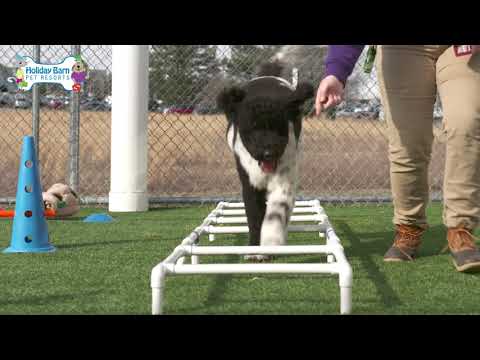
(344, 111)
(152, 105)
(56, 103)
(22, 101)
(205, 110)
(44, 101)
(94, 105)
(358, 110)
(108, 102)
(364, 110)
(367, 112)
(7, 99)
(66, 100)
(180, 110)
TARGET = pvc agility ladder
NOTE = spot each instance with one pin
(228, 213)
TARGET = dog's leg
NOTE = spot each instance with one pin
(277, 216)
(255, 206)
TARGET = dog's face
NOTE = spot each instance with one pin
(263, 126)
(262, 113)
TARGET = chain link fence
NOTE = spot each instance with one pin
(344, 153)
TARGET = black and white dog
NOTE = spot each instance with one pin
(264, 126)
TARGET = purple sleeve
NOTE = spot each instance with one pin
(341, 60)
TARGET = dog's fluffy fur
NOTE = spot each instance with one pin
(264, 126)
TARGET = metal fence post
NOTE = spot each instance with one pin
(74, 136)
(36, 105)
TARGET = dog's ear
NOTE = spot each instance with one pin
(302, 93)
(229, 98)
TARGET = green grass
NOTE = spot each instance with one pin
(105, 269)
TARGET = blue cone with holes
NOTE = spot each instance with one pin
(29, 231)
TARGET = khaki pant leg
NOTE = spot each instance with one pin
(407, 79)
(458, 81)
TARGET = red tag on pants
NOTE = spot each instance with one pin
(462, 50)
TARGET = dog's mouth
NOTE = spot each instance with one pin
(268, 166)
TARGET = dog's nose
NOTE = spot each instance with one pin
(268, 155)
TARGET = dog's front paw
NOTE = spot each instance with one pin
(273, 233)
(273, 239)
(258, 258)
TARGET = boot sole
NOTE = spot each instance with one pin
(468, 268)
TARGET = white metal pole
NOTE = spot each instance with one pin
(128, 181)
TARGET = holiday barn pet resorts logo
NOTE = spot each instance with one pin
(71, 73)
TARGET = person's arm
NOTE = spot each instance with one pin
(341, 60)
(339, 64)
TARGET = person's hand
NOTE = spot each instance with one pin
(330, 93)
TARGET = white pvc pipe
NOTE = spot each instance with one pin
(300, 210)
(332, 238)
(233, 205)
(244, 229)
(157, 283)
(157, 301)
(177, 254)
(199, 231)
(271, 250)
(174, 264)
(128, 176)
(304, 210)
(252, 269)
(345, 300)
(231, 212)
(243, 219)
(306, 203)
(319, 218)
(236, 205)
(231, 220)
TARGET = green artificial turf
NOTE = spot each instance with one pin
(105, 269)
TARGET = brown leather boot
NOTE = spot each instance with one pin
(466, 256)
(406, 242)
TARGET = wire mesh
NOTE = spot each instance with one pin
(343, 156)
